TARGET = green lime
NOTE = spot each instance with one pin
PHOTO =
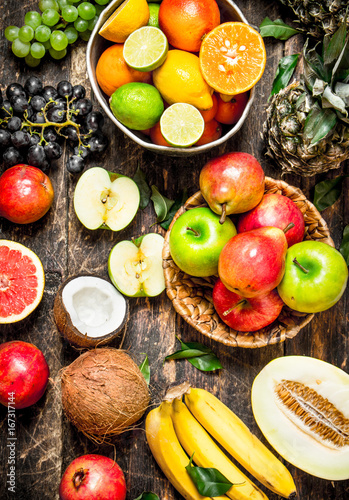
(154, 15)
(137, 105)
(145, 49)
(182, 124)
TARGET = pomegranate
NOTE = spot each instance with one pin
(93, 477)
(24, 374)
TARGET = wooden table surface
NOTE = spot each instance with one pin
(46, 441)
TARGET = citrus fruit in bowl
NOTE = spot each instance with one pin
(155, 55)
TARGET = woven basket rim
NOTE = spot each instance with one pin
(192, 297)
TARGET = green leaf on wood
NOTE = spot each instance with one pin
(198, 355)
(344, 247)
(144, 189)
(327, 192)
(162, 205)
(284, 73)
(276, 29)
(145, 369)
(147, 495)
(179, 201)
(208, 481)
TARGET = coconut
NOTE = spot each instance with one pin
(104, 393)
(89, 311)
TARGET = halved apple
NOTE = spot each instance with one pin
(135, 267)
(105, 199)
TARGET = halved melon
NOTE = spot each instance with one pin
(301, 405)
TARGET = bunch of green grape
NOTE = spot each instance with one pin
(60, 24)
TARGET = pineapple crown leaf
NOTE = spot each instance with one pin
(284, 73)
(319, 123)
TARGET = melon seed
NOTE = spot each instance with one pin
(317, 413)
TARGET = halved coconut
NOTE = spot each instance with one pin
(89, 310)
(301, 405)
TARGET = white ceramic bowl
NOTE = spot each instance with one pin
(96, 46)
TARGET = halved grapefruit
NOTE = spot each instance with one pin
(22, 281)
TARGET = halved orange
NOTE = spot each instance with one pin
(232, 58)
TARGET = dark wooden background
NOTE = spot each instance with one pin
(46, 442)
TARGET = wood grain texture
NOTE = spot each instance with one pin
(46, 441)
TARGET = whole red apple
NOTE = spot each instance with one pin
(26, 194)
(243, 314)
(93, 477)
(232, 183)
(24, 374)
(278, 211)
(253, 263)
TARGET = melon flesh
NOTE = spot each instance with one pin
(291, 437)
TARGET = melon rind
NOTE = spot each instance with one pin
(293, 444)
(40, 274)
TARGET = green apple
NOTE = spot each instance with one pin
(135, 267)
(105, 199)
(315, 278)
(196, 240)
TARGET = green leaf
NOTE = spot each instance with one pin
(335, 47)
(176, 206)
(145, 369)
(314, 67)
(144, 189)
(342, 91)
(276, 29)
(319, 123)
(198, 355)
(327, 192)
(162, 204)
(147, 495)
(344, 247)
(333, 101)
(284, 73)
(208, 481)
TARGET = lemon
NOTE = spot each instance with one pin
(182, 124)
(145, 49)
(129, 16)
(137, 105)
(179, 79)
(154, 15)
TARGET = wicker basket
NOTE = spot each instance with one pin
(192, 297)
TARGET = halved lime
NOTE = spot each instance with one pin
(182, 124)
(146, 48)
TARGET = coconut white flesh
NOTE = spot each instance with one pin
(138, 270)
(294, 441)
(95, 307)
(98, 201)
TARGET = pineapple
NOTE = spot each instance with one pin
(307, 126)
(318, 18)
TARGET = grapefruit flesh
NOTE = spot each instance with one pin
(22, 281)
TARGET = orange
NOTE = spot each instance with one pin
(186, 22)
(230, 112)
(212, 132)
(209, 114)
(232, 58)
(112, 70)
(157, 137)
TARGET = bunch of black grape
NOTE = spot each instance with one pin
(35, 122)
(60, 24)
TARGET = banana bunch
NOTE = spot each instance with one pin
(176, 430)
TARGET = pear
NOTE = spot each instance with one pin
(253, 263)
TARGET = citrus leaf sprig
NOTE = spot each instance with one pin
(208, 480)
(198, 355)
(276, 29)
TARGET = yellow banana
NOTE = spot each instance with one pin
(195, 439)
(169, 454)
(236, 439)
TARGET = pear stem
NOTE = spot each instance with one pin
(288, 227)
(193, 230)
(300, 266)
(224, 213)
(240, 303)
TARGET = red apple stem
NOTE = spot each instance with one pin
(193, 230)
(288, 227)
(224, 213)
(300, 266)
(79, 477)
(240, 303)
